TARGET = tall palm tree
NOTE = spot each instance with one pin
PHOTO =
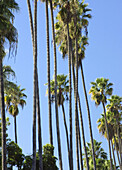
(48, 72)
(62, 95)
(82, 41)
(13, 101)
(100, 90)
(38, 106)
(115, 107)
(34, 83)
(7, 32)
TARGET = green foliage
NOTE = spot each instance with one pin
(102, 163)
(100, 90)
(14, 155)
(49, 160)
(62, 88)
(15, 98)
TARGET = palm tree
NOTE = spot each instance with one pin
(38, 105)
(100, 156)
(62, 95)
(115, 107)
(100, 90)
(33, 26)
(7, 32)
(82, 41)
(13, 101)
(48, 72)
(102, 129)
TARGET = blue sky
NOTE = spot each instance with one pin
(103, 59)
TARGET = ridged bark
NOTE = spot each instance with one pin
(108, 138)
(3, 120)
(15, 129)
(39, 128)
(89, 117)
(55, 79)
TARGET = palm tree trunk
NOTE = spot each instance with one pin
(15, 127)
(117, 152)
(89, 118)
(77, 150)
(39, 128)
(120, 144)
(106, 125)
(76, 95)
(34, 85)
(80, 147)
(3, 120)
(113, 155)
(81, 119)
(31, 20)
(38, 105)
(70, 97)
(48, 72)
(66, 130)
(55, 78)
(83, 135)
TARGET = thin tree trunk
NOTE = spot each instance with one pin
(77, 150)
(15, 128)
(3, 120)
(70, 98)
(66, 130)
(117, 152)
(113, 154)
(76, 95)
(31, 21)
(81, 119)
(38, 105)
(106, 125)
(55, 77)
(80, 147)
(48, 72)
(89, 118)
(119, 141)
(39, 128)
(83, 135)
(34, 85)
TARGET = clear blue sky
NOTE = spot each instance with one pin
(103, 59)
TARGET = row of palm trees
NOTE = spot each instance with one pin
(70, 33)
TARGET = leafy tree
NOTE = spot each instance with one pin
(49, 160)
(14, 155)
